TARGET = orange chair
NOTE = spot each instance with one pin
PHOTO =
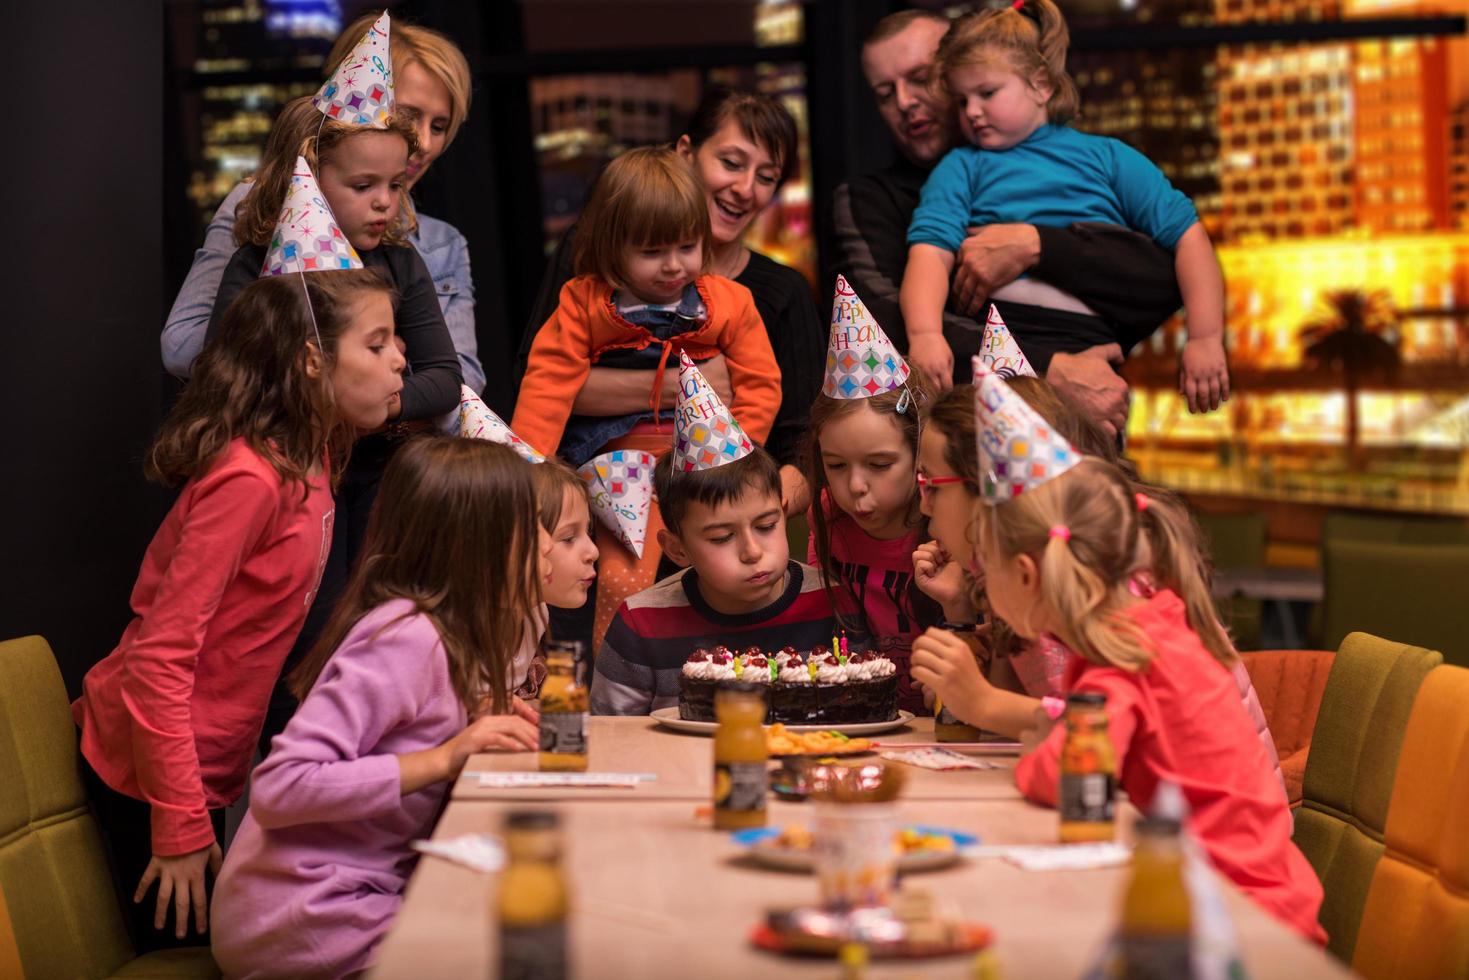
(1289, 684)
(1416, 920)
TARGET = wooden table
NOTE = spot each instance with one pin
(683, 764)
(657, 893)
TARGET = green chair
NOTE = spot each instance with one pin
(1237, 541)
(1412, 592)
(1349, 773)
(53, 870)
(1384, 529)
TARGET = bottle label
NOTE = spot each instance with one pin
(1151, 957)
(740, 786)
(946, 717)
(533, 952)
(564, 733)
(1086, 797)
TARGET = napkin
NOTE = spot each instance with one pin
(481, 852)
(938, 759)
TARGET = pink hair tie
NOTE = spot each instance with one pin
(1017, 4)
(1142, 501)
(1061, 531)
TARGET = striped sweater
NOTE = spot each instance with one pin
(654, 631)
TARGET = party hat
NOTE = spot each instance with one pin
(1018, 450)
(306, 237)
(999, 351)
(476, 421)
(705, 435)
(860, 360)
(360, 91)
(621, 486)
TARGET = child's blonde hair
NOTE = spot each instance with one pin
(414, 45)
(1033, 39)
(552, 479)
(301, 130)
(1085, 573)
(454, 532)
(646, 197)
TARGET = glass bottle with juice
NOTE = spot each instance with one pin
(1088, 771)
(533, 899)
(563, 710)
(1157, 917)
(740, 756)
(947, 726)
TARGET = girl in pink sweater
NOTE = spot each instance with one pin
(445, 588)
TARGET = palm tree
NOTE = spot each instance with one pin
(1347, 332)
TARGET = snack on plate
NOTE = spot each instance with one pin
(909, 840)
(824, 686)
(779, 741)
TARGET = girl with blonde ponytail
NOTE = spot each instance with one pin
(1005, 71)
(1059, 539)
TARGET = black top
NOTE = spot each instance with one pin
(786, 307)
(431, 388)
(1125, 276)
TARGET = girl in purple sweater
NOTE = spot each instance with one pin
(449, 575)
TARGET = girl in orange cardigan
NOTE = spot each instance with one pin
(639, 298)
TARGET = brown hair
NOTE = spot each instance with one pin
(762, 118)
(414, 45)
(826, 410)
(1172, 543)
(250, 380)
(552, 479)
(1034, 40)
(646, 197)
(896, 23)
(952, 416)
(757, 471)
(301, 130)
(454, 532)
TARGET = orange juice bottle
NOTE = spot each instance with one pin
(740, 755)
(563, 710)
(1156, 914)
(1088, 771)
(533, 899)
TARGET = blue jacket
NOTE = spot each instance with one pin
(443, 249)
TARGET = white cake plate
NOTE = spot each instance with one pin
(668, 717)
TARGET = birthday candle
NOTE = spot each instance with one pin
(834, 651)
(844, 647)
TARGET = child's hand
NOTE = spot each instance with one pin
(526, 710)
(489, 733)
(181, 879)
(931, 354)
(944, 662)
(938, 576)
(1203, 374)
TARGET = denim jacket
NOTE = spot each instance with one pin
(443, 249)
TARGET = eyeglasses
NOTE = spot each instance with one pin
(928, 484)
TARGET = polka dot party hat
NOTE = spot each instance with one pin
(307, 238)
(360, 91)
(477, 421)
(620, 484)
(705, 434)
(1018, 450)
(860, 360)
(999, 351)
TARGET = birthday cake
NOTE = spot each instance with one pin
(816, 688)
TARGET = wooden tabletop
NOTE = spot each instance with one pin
(658, 893)
(684, 765)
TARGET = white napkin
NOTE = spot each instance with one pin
(543, 780)
(481, 852)
(938, 759)
(1057, 857)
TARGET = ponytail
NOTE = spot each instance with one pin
(1035, 38)
(1054, 41)
(1178, 564)
(1087, 607)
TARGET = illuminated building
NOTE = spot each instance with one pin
(1459, 165)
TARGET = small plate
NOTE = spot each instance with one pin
(754, 843)
(668, 717)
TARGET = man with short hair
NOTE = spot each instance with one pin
(1124, 277)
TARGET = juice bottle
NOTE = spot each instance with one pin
(563, 710)
(533, 899)
(740, 756)
(1088, 771)
(946, 725)
(1156, 913)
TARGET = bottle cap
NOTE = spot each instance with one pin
(1086, 699)
(532, 820)
(1157, 827)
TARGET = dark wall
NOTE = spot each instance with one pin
(82, 384)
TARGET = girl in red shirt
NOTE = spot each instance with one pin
(1058, 540)
(169, 719)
